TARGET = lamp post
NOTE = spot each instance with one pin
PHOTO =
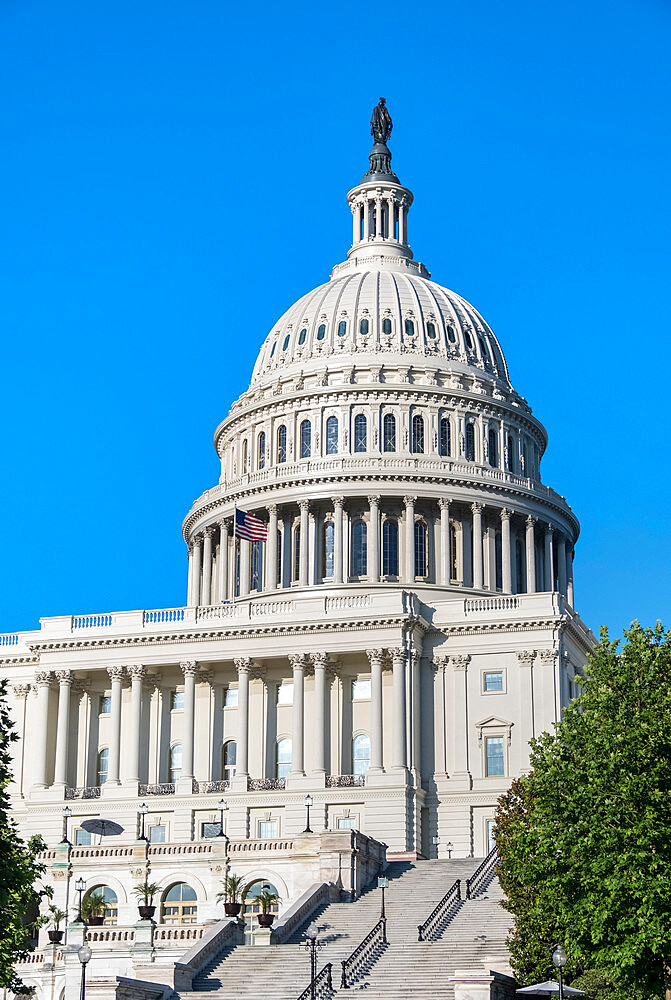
(80, 886)
(222, 807)
(308, 803)
(84, 955)
(67, 813)
(382, 883)
(560, 958)
(436, 843)
(449, 847)
(311, 944)
(143, 810)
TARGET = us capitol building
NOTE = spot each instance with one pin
(385, 655)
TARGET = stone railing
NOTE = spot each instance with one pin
(9, 639)
(260, 846)
(98, 851)
(211, 787)
(352, 601)
(178, 932)
(477, 605)
(345, 780)
(163, 788)
(163, 615)
(91, 621)
(190, 849)
(86, 792)
(109, 935)
(302, 909)
(265, 784)
(224, 934)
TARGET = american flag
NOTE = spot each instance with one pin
(248, 526)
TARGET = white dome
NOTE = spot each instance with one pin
(386, 309)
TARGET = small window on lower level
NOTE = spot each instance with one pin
(346, 823)
(157, 834)
(494, 759)
(361, 689)
(82, 838)
(231, 697)
(492, 680)
(208, 830)
(105, 704)
(268, 829)
(176, 700)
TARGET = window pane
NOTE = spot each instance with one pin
(493, 451)
(409, 328)
(363, 327)
(360, 688)
(445, 436)
(268, 829)
(230, 753)
(329, 550)
(321, 331)
(359, 549)
(157, 835)
(346, 823)
(418, 434)
(261, 454)
(256, 564)
(360, 435)
(389, 432)
(342, 328)
(176, 700)
(176, 762)
(82, 838)
(494, 753)
(286, 342)
(360, 754)
(306, 439)
(332, 436)
(386, 326)
(494, 681)
(282, 444)
(431, 331)
(421, 568)
(285, 693)
(491, 829)
(297, 553)
(470, 442)
(302, 335)
(210, 830)
(105, 704)
(231, 697)
(390, 548)
(103, 766)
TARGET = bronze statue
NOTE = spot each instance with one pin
(380, 123)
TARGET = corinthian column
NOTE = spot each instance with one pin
(561, 564)
(189, 669)
(304, 507)
(194, 600)
(409, 539)
(506, 564)
(64, 678)
(243, 665)
(399, 756)
(319, 662)
(376, 658)
(137, 674)
(460, 728)
(222, 565)
(116, 675)
(531, 555)
(338, 504)
(477, 546)
(271, 548)
(298, 665)
(444, 542)
(206, 598)
(39, 737)
(374, 540)
(549, 565)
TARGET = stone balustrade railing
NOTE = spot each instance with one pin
(302, 908)
(223, 933)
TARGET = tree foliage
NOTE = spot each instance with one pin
(584, 839)
(19, 868)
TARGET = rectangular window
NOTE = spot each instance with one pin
(361, 689)
(347, 823)
(82, 838)
(157, 835)
(285, 694)
(176, 700)
(492, 680)
(105, 704)
(231, 697)
(491, 827)
(208, 830)
(494, 754)
(267, 829)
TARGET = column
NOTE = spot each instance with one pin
(298, 665)
(477, 545)
(206, 597)
(531, 555)
(549, 567)
(409, 539)
(374, 540)
(355, 224)
(189, 585)
(378, 216)
(243, 665)
(376, 659)
(222, 565)
(39, 737)
(366, 227)
(445, 554)
(137, 674)
(271, 549)
(304, 507)
(390, 203)
(506, 563)
(398, 758)
(338, 503)
(569, 578)
(319, 661)
(401, 220)
(64, 678)
(189, 669)
(116, 675)
(460, 731)
(197, 560)
(561, 564)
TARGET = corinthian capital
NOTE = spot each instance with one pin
(525, 657)
(375, 656)
(243, 664)
(116, 673)
(460, 661)
(137, 670)
(21, 690)
(189, 668)
(43, 678)
(319, 660)
(397, 654)
(64, 678)
(298, 660)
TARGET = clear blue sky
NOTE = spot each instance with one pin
(173, 176)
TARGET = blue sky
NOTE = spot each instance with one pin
(174, 176)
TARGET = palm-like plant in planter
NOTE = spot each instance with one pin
(232, 895)
(144, 893)
(266, 899)
(56, 918)
(93, 908)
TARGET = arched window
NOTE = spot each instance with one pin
(297, 553)
(454, 566)
(175, 762)
(469, 340)
(332, 436)
(431, 331)
(179, 905)
(451, 335)
(281, 444)
(360, 754)
(386, 326)
(363, 327)
(483, 352)
(229, 759)
(272, 349)
(421, 550)
(511, 464)
(302, 335)
(389, 432)
(445, 437)
(261, 451)
(251, 907)
(498, 560)
(103, 765)
(286, 342)
(360, 435)
(321, 331)
(306, 439)
(409, 328)
(359, 549)
(418, 434)
(283, 757)
(342, 328)
(328, 549)
(470, 442)
(519, 568)
(525, 459)
(111, 912)
(244, 456)
(256, 565)
(493, 448)
(390, 547)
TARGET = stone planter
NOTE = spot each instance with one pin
(146, 912)
(55, 936)
(266, 919)
(232, 909)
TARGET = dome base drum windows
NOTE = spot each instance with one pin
(417, 435)
(332, 436)
(360, 433)
(306, 438)
(389, 432)
(445, 441)
(390, 548)
(281, 444)
(328, 550)
(470, 442)
(421, 549)
(359, 549)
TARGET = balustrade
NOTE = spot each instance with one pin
(364, 955)
(321, 984)
(481, 874)
(442, 914)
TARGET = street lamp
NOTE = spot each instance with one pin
(560, 958)
(80, 886)
(308, 803)
(311, 944)
(67, 813)
(436, 842)
(382, 883)
(222, 807)
(143, 810)
(84, 955)
(449, 847)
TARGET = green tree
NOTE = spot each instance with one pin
(19, 868)
(584, 839)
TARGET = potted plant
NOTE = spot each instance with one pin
(266, 899)
(144, 893)
(93, 908)
(56, 918)
(232, 895)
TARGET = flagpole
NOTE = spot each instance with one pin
(235, 558)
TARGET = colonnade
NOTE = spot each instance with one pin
(468, 545)
(374, 214)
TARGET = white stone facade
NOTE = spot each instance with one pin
(391, 649)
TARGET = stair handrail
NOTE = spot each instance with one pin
(322, 979)
(360, 953)
(480, 872)
(453, 894)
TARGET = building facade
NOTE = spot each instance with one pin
(389, 650)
